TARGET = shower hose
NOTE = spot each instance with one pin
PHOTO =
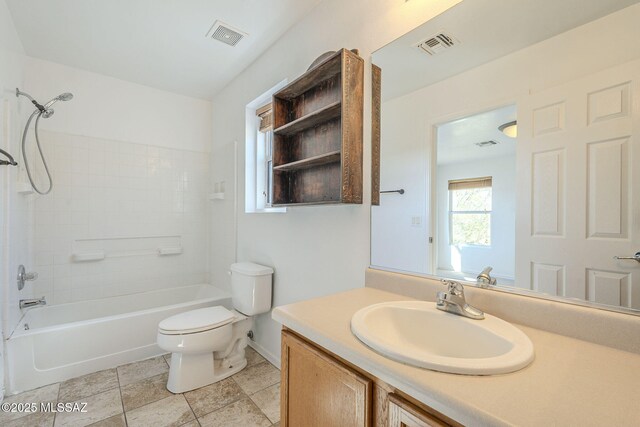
(24, 154)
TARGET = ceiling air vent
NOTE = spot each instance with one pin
(486, 143)
(436, 44)
(225, 33)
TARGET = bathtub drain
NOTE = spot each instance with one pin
(26, 326)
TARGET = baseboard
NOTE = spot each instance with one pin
(273, 359)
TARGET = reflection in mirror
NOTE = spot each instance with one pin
(512, 131)
(475, 196)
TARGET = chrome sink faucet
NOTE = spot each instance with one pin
(26, 303)
(453, 301)
(485, 279)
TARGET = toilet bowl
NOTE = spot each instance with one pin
(208, 344)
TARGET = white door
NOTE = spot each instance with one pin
(578, 155)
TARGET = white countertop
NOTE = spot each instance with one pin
(570, 382)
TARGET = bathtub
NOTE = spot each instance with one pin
(58, 342)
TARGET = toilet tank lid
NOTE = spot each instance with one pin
(251, 269)
(196, 320)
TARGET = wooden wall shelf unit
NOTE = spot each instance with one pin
(317, 144)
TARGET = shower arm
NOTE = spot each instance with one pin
(39, 106)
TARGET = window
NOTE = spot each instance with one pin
(258, 154)
(264, 156)
(470, 211)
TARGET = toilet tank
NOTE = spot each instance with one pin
(251, 288)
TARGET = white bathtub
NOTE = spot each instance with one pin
(58, 342)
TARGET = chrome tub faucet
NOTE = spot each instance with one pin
(453, 301)
(27, 303)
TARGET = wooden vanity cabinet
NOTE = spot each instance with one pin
(403, 414)
(320, 390)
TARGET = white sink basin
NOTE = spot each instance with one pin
(418, 334)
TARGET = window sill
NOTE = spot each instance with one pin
(267, 211)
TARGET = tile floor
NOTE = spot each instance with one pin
(135, 395)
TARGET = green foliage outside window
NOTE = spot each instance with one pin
(470, 216)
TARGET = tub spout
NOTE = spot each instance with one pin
(26, 303)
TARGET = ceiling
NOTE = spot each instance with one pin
(486, 30)
(161, 44)
(457, 139)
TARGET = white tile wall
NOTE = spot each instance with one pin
(106, 190)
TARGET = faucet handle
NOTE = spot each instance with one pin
(23, 276)
(453, 287)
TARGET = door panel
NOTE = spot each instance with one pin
(577, 145)
(318, 391)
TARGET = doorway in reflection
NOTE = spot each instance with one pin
(475, 194)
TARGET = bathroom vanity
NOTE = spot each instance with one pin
(327, 372)
(355, 397)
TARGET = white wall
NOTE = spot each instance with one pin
(314, 250)
(396, 242)
(408, 121)
(109, 108)
(130, 166)
(14, 240)
(501, 253)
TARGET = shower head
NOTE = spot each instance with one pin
(65, 97)
(44, 109)
(62, 97)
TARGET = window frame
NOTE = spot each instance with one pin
(470, 183)
(257, 184)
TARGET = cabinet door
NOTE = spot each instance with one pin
(318, 390)
(404, 414)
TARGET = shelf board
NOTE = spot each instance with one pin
(319, 202)
(322, 159)
(324, 114)
(323, 71)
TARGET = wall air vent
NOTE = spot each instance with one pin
(225, 33)
(486, 143)
(436, 44)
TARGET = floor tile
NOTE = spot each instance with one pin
(257, 377)
(242, 413)
(193, 423)
(167, 357)
(38, 419)
(87, 385)
(47, 393)
(268, 400)
(144, 392)
(214, 396)
(115, 421)
(141, 370)
(170, 412)
(253, 357)
(99, 407)
(276, 424)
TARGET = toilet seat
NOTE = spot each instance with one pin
(200, 320)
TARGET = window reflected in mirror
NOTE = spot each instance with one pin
(475, 196)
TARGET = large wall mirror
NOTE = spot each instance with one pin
(514, 130)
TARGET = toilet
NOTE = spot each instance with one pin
(207, 345)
